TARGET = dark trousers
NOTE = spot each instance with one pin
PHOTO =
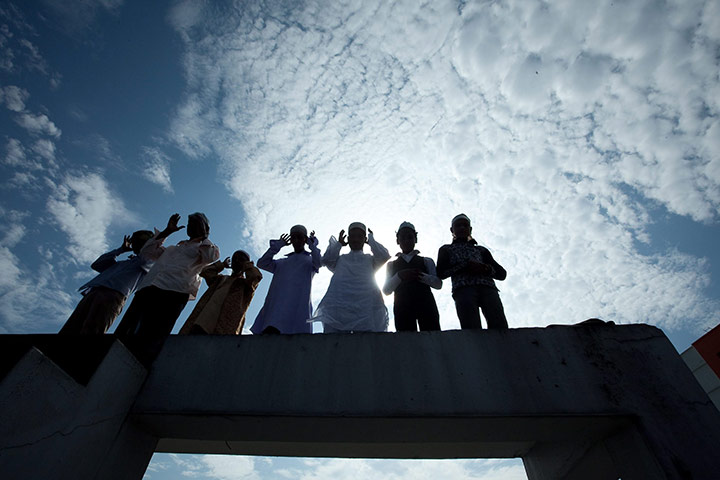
(150, 318)
(95, 313)
(413, 312)
(472, 298)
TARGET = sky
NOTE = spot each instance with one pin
(581, 137)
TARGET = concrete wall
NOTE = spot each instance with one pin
(52, 427)
(552, 395)
(582, 402)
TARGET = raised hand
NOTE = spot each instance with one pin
(172, 225)
(285, 238)
(341, 238)
(226, 262)
(367, 237)
(127, 244)
(311, 239)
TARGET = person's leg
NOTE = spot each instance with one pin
(74, 324)
(404, 318)
(141, 303)
(467, 307)
(329, 329)
(106, 306)
(428, 316)
(492, 308)
(157, 321)
(159, 318)
(197, 330)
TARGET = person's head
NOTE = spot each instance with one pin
(238, 260)
(406, 237)
(198, 226)
(138, 239)
(357, 235)
(460, 227)
(298, 237)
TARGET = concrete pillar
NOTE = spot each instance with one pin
(51, 427)
(622, 454)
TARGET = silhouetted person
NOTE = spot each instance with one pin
(104, 296)
(221, 309)
(473, 272)
(353, 302)
(287, 305)
(171, 282)
(410, 277)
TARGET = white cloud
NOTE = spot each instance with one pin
(15, 153)
(46, 149)
(29, 301)
(224, 467)
(156, 168)
(34, 59)
(84, 207)
(38, 124)
(17, 156)
(14, 97)
(556, 127)
(78, 15)
(227, 467)
(17, 52)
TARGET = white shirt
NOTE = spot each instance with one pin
(177, 267)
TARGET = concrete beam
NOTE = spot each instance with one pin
(522, 392)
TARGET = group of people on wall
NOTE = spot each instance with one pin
(165, 278)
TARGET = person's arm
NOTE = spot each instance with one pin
(153, 248)
(443, 263)
(208, 252)
(252, 274)
(107, 260)
(332, 253)
(380, 254)
(172, 227)
(314, 252)
(212, 271)
(445, 268)
(391, 281)
(431, 277)
(266, 262)
(497, 271)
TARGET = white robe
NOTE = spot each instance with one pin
(353, 302)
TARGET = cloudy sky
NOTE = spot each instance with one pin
(581, 137)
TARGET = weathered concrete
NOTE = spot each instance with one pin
(52, 427)
(553, 396)
(581, 402)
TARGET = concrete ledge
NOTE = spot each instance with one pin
(540, 393)
(355, 437)
(575, 402)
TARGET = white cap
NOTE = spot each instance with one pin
(407, 225)
(299, 229)
(359, 225)
(461, 216)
